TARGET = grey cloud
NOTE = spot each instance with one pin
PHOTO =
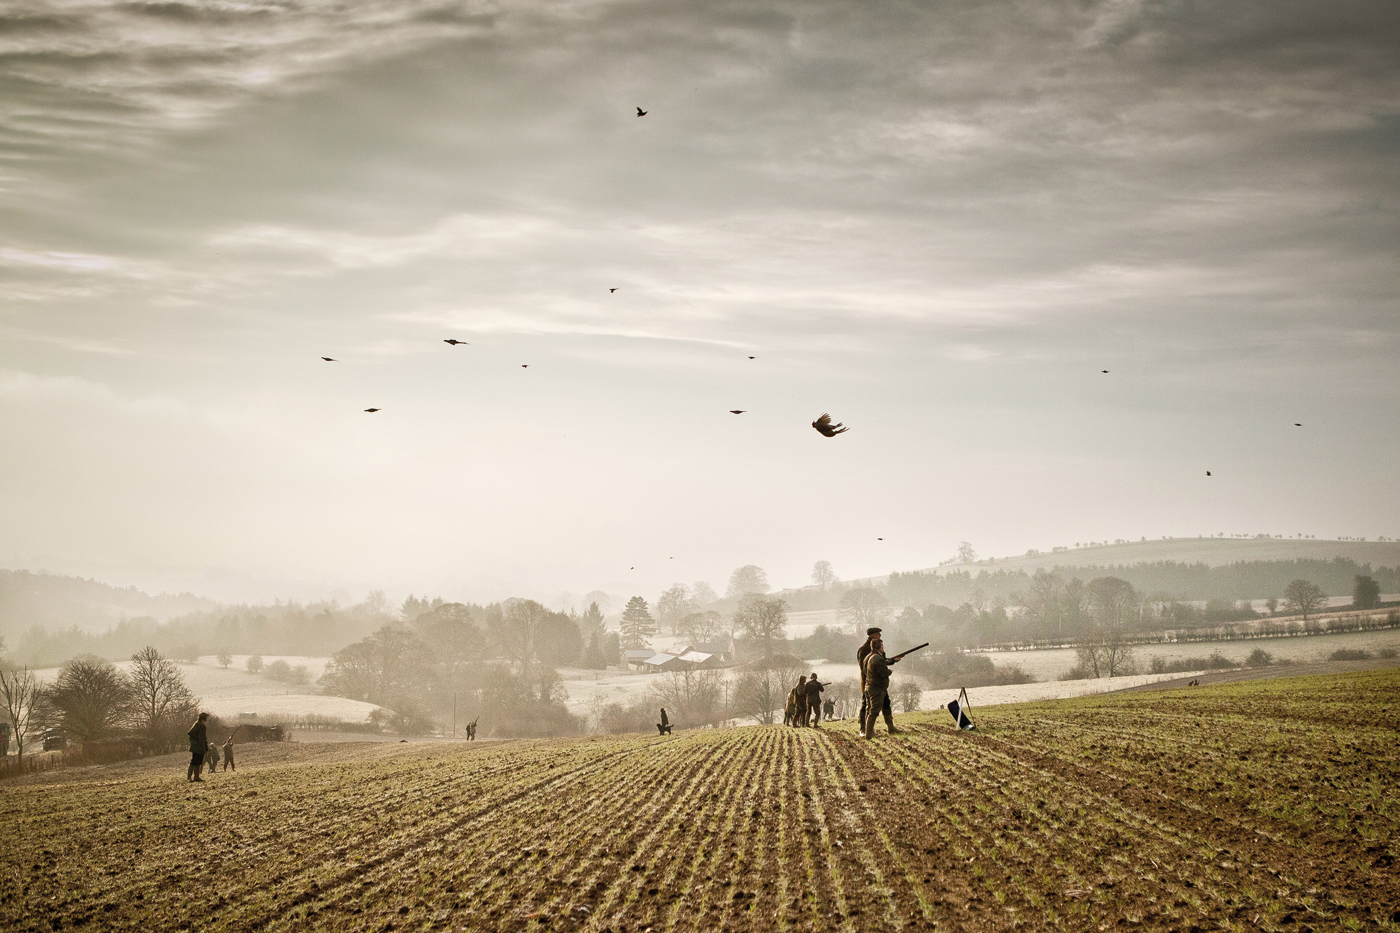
(934, 217)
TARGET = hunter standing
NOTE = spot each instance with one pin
(877, 687)
(872, 635)
(228, 752)
(199, 744)
(813, 690)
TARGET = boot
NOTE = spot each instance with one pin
(199, 769)
(889, 723)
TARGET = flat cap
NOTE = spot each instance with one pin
(873, 630)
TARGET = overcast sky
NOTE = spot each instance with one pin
(938, 221)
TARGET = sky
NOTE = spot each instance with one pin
(940, 222)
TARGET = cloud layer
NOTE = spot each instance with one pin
(940, 223)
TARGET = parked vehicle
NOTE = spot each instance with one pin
(54, 739)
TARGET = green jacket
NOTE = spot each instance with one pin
(877, 672)
(199, 738)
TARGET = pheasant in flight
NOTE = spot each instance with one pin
(824, 425)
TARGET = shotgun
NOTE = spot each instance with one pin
(910, 651)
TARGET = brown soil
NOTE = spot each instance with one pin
(1264, 805)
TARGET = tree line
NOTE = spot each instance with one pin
(92, 701)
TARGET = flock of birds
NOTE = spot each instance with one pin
(823, 425)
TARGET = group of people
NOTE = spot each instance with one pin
(203, 752)
(806, 708)
(804, 704)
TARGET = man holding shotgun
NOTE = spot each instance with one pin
(875, 683)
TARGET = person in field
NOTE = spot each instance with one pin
(199, 744)
(211, 757)
(877, 688)
(228, 752)
(829, 709)
(872, 634)
(790, 709)
(813, 691)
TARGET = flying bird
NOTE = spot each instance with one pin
(1296, 425)
(524, 365)
(1207, 472)
(879, 539)
(824, 425)
(329, 360)
(641, 112)
(737, 411)
(456, 342)
(753, 357)
(611, 290)
(371, 410)
(1103, 370)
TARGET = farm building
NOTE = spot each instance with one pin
(636, 658)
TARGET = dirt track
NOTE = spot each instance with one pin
(1263, 805)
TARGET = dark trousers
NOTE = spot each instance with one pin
(196, 763)
(888, 711)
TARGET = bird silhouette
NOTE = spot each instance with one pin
(737, 411)
(1207, 472)
(641, 112)
(879, 539)
(456, 342)
(753, 357)
(524, 365)
(824, 425)
(329, 360)
(611, 290)
(1296, 425)
(371, 410)
(1103, 370)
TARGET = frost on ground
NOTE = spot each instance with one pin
(1262, 805)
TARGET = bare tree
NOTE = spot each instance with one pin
(91, 698)
(161, 701)
(672, 606)
(749, 578)
(910, 694)
(693, 697)
(1106, 652)
(1043, 602)
(762, 689)
(1304, 597)
(21, 693)
(512, 630)
(702, 595)
(762, 619)
(386, 668)
(862, 607)
(1116, 604)
(701, 627)
(822, 574)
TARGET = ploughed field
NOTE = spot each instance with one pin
(1268, 805)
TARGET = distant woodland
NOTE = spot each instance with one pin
(46, 619)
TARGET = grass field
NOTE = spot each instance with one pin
(1268, 805)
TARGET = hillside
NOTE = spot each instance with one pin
(55, 601)
(1153, 811)
(1213, 552)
